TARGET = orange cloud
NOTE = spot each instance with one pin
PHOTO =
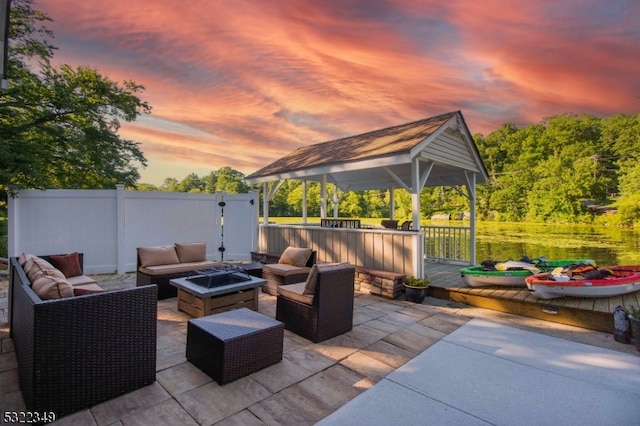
(242, 83)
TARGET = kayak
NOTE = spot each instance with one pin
(512, 272)
(613, 281)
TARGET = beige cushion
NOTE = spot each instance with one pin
(23, 258)
(295, 292)
(310, 285)
(54, 273)
(81, 290)
(284, 269)
(48, 287)
(35, 267)
(80, 280)
(295, 256)
(177, 268)
(191, 252)
(158, 255)
(30, 271)
(312, 279)
(327, 267)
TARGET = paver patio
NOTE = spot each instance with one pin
(312, 380)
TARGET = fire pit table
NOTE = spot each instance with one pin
(216, 290)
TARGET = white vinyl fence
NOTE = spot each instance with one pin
(108, 225)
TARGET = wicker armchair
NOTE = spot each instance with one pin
(326, 313)
(278, 274)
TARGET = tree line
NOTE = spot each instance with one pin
(556, 170)
(566, 169)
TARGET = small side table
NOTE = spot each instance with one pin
(233, 344)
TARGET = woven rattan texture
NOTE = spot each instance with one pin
(232, 344)
(274, 279)
(331, 312)
(165, 290)
(76, 352)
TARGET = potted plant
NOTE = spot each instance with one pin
(415, 289)
(634, 320)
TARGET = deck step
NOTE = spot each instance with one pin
(590, 313)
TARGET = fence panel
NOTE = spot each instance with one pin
(63, 221)
(240, 225)
(108, 225)
(165, 218)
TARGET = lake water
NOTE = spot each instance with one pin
(608, 246)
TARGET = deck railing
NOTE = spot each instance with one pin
(447, 243)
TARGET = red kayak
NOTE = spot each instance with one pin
(586, 282)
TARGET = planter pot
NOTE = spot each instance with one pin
(635, 331)
(415, 294)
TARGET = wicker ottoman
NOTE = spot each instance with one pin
(233, 344)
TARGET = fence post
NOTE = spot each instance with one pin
(120, 226)
(12, 225)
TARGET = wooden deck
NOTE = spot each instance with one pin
(591, 313)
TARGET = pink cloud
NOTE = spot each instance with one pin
(244, 83)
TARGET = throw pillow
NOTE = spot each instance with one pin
(159, 255)
(54, 273)
(35, 268)
(23, 258)
(191, 252)
(310, 285)
(69, 264)
(295, 256)
(47, 287)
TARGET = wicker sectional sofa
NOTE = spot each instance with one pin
(77, 351)
(160, 264)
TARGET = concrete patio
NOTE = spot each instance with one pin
(311, 382)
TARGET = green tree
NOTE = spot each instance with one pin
(351, 205)
(209, 182)
(376, 203)
(230, 180)
(170, 185)
(191, 183)
(59, 126)
(629, 201)
(147, 187)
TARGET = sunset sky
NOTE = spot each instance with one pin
(241, 83)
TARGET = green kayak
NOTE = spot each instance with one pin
(512, 272)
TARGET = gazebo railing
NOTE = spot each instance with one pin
(447, 243)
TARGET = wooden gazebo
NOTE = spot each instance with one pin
(435, 151)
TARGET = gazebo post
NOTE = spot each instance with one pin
(323, 197)
(392, 203)
(415, 192)
(471, 189)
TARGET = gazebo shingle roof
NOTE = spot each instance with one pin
(391, 140)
